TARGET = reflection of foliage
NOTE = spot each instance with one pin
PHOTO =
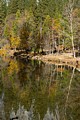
(13, 67)
(42, 82)
(3, 52)
(15, 42)
(68, 109)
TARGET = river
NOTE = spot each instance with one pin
(33, 90)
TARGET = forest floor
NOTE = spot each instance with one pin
(64, 59)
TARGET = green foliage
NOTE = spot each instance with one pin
(3, 11)
(47, 84)
(47, 24)
(40, 22)
(24, 35)
(6, 31)
(18, 14)
(12, 6)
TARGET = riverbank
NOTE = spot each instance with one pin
(62, 59)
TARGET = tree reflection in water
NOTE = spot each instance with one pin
(46, 91)
(23, 114)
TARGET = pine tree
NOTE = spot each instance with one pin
(3, 11)
(21, 5)
(12, 6)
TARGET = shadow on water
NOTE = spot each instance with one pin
(33, 90)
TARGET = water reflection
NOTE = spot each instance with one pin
(22, 114)
(2, 112)
(33, 90)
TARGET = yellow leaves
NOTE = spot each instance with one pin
(15, 41)
(6, 46)
(13, 67)
(3, 52)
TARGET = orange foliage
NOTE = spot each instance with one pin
(56, 25)
(60, 69)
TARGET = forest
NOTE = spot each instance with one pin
(39, 59)
(40, 25)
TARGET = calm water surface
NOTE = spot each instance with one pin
(32, 90)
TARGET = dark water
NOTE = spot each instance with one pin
(32, 90)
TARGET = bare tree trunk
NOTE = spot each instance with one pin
(71, 26)
(52, 42)
(41, 42)
(71, 3)
(70, 17)
(49, 43)
(53, 45)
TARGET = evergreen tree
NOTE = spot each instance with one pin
(13, 6)
(3, 11)
(21, 5)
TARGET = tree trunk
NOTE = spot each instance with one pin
(72, 36)
(71, 25)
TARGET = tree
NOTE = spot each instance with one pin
(3, 11)
(21, 5)
(47, 32)
(69, 19)
(13, 6)
(24, 35)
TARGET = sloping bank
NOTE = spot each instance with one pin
(62, 59)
